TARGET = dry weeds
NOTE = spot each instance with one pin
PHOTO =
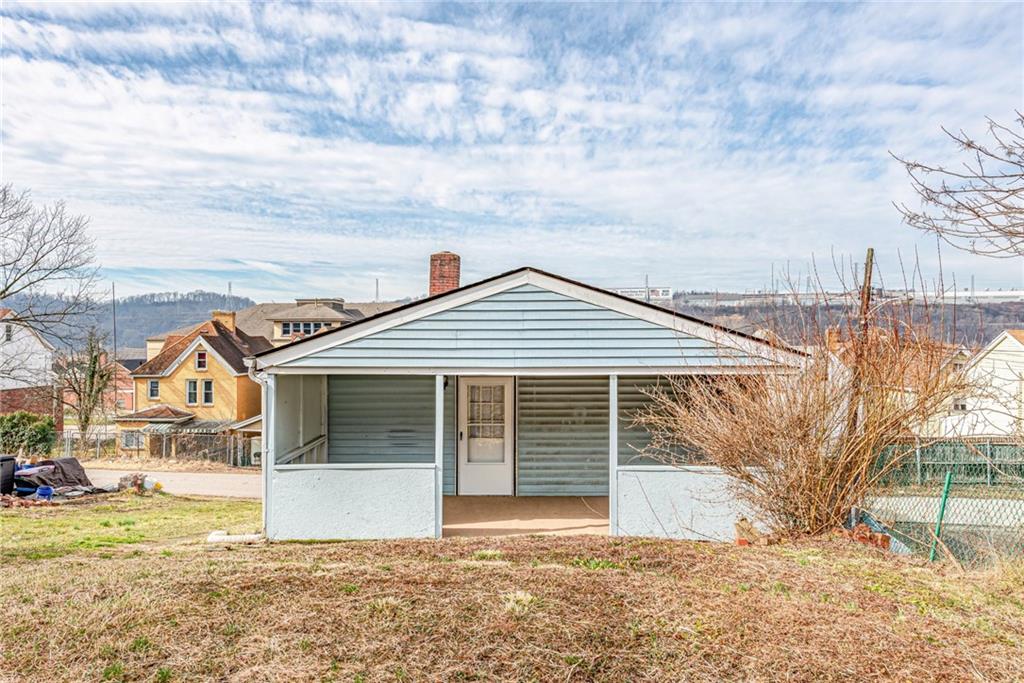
(598, 609)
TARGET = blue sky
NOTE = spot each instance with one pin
(309, 149)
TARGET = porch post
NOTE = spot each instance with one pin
(438, 453)
(613, 454)
(268, 447)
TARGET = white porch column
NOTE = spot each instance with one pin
(613, 454)
(438, 453)
(269, 415)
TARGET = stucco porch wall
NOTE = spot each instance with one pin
(667, 502)
(333, 502)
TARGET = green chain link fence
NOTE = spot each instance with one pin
(954, 499)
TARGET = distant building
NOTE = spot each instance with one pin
(196, 384)
(281, 323)
(662, 296)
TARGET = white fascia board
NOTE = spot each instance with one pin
(603, 299)
(632, 370)
(196, 343)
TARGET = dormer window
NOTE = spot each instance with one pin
(303, 328)
(200, 360)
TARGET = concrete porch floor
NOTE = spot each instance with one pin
(511, 515)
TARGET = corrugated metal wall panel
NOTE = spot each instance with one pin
(527, 327)
(380, 419)
(632, 439)
(562, 436)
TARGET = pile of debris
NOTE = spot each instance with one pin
(47, 481)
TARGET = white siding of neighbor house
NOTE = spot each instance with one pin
(526, 327)
(995, 409)
(25, 361)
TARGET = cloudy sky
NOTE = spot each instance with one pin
(307, 150)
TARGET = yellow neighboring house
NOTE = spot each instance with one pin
(194, 388)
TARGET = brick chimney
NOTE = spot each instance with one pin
(444, 272)
(225, 318)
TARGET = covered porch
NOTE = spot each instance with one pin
(393, 456)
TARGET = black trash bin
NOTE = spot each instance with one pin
(7, 474)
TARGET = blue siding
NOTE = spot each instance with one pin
(527, 327)
(562, 436)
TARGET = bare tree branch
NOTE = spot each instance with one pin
(47, 267)
(979, 207)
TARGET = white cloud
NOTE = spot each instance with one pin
(700, 153)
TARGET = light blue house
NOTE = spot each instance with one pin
(520, 385)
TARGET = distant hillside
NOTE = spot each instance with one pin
(971, 325)
(144, 315)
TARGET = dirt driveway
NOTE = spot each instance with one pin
(225, 484)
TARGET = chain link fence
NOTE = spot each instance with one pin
(954, 499)
(236, 450)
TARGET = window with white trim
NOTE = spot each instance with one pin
(304, 328)
(191, 392)
(154, 389)
(132, 438)
(959, 405)
(207, 392)
(200, 360)
(8, 332)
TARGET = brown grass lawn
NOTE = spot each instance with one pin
(126, 589)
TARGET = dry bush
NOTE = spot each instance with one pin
(802, 446)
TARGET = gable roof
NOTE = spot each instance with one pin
(414, 310)
(230, 347)
(1018, 335)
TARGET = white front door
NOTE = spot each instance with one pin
(485, 436)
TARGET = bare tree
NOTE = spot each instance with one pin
(85, 376)
(47, 269)
(979, 205)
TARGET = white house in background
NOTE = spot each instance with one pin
(27, 379)
(997, 406)
(26, 358)
(522, 385)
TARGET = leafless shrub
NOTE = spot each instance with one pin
(802, 446)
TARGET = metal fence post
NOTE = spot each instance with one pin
(917, 459)
(988, 462)
(942, 513)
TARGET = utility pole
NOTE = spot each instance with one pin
(859, 344)
(113, 310)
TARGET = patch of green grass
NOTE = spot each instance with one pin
(163, 675)
(112, 520)
(140, 644)
(349, 588)
(488, 555)
(113, 672)
(594, 563)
